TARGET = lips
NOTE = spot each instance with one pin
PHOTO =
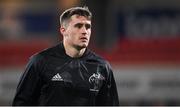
(83, 38)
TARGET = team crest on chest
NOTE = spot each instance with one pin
(95, 80)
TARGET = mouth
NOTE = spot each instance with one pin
(83, 38)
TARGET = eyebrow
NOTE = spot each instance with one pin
(79, 25)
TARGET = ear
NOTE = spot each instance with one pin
(62, 30)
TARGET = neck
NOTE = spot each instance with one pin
(73, 51)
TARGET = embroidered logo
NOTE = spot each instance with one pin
(57, 77)
(95, 80)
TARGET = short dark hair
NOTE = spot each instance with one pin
(81, 11)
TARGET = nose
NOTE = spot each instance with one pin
(84, 30)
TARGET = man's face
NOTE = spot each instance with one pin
(77, 32)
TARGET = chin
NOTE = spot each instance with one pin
(83, 46)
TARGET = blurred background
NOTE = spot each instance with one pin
(140, 38)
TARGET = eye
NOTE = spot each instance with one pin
(88, 26)
(78, 25)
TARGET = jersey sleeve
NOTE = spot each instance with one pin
(108, 94)
(28, 89)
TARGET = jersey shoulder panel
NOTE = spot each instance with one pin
(52, 51)
(96, 58)
(39, 59)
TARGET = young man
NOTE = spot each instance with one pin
(68, 73)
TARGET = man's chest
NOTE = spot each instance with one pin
(74, 74)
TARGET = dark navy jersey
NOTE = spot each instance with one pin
(54, 78)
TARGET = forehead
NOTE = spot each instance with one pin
(79, 19)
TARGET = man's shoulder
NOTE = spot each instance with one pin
(45, 52)
(50, 51)
(96, 57)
